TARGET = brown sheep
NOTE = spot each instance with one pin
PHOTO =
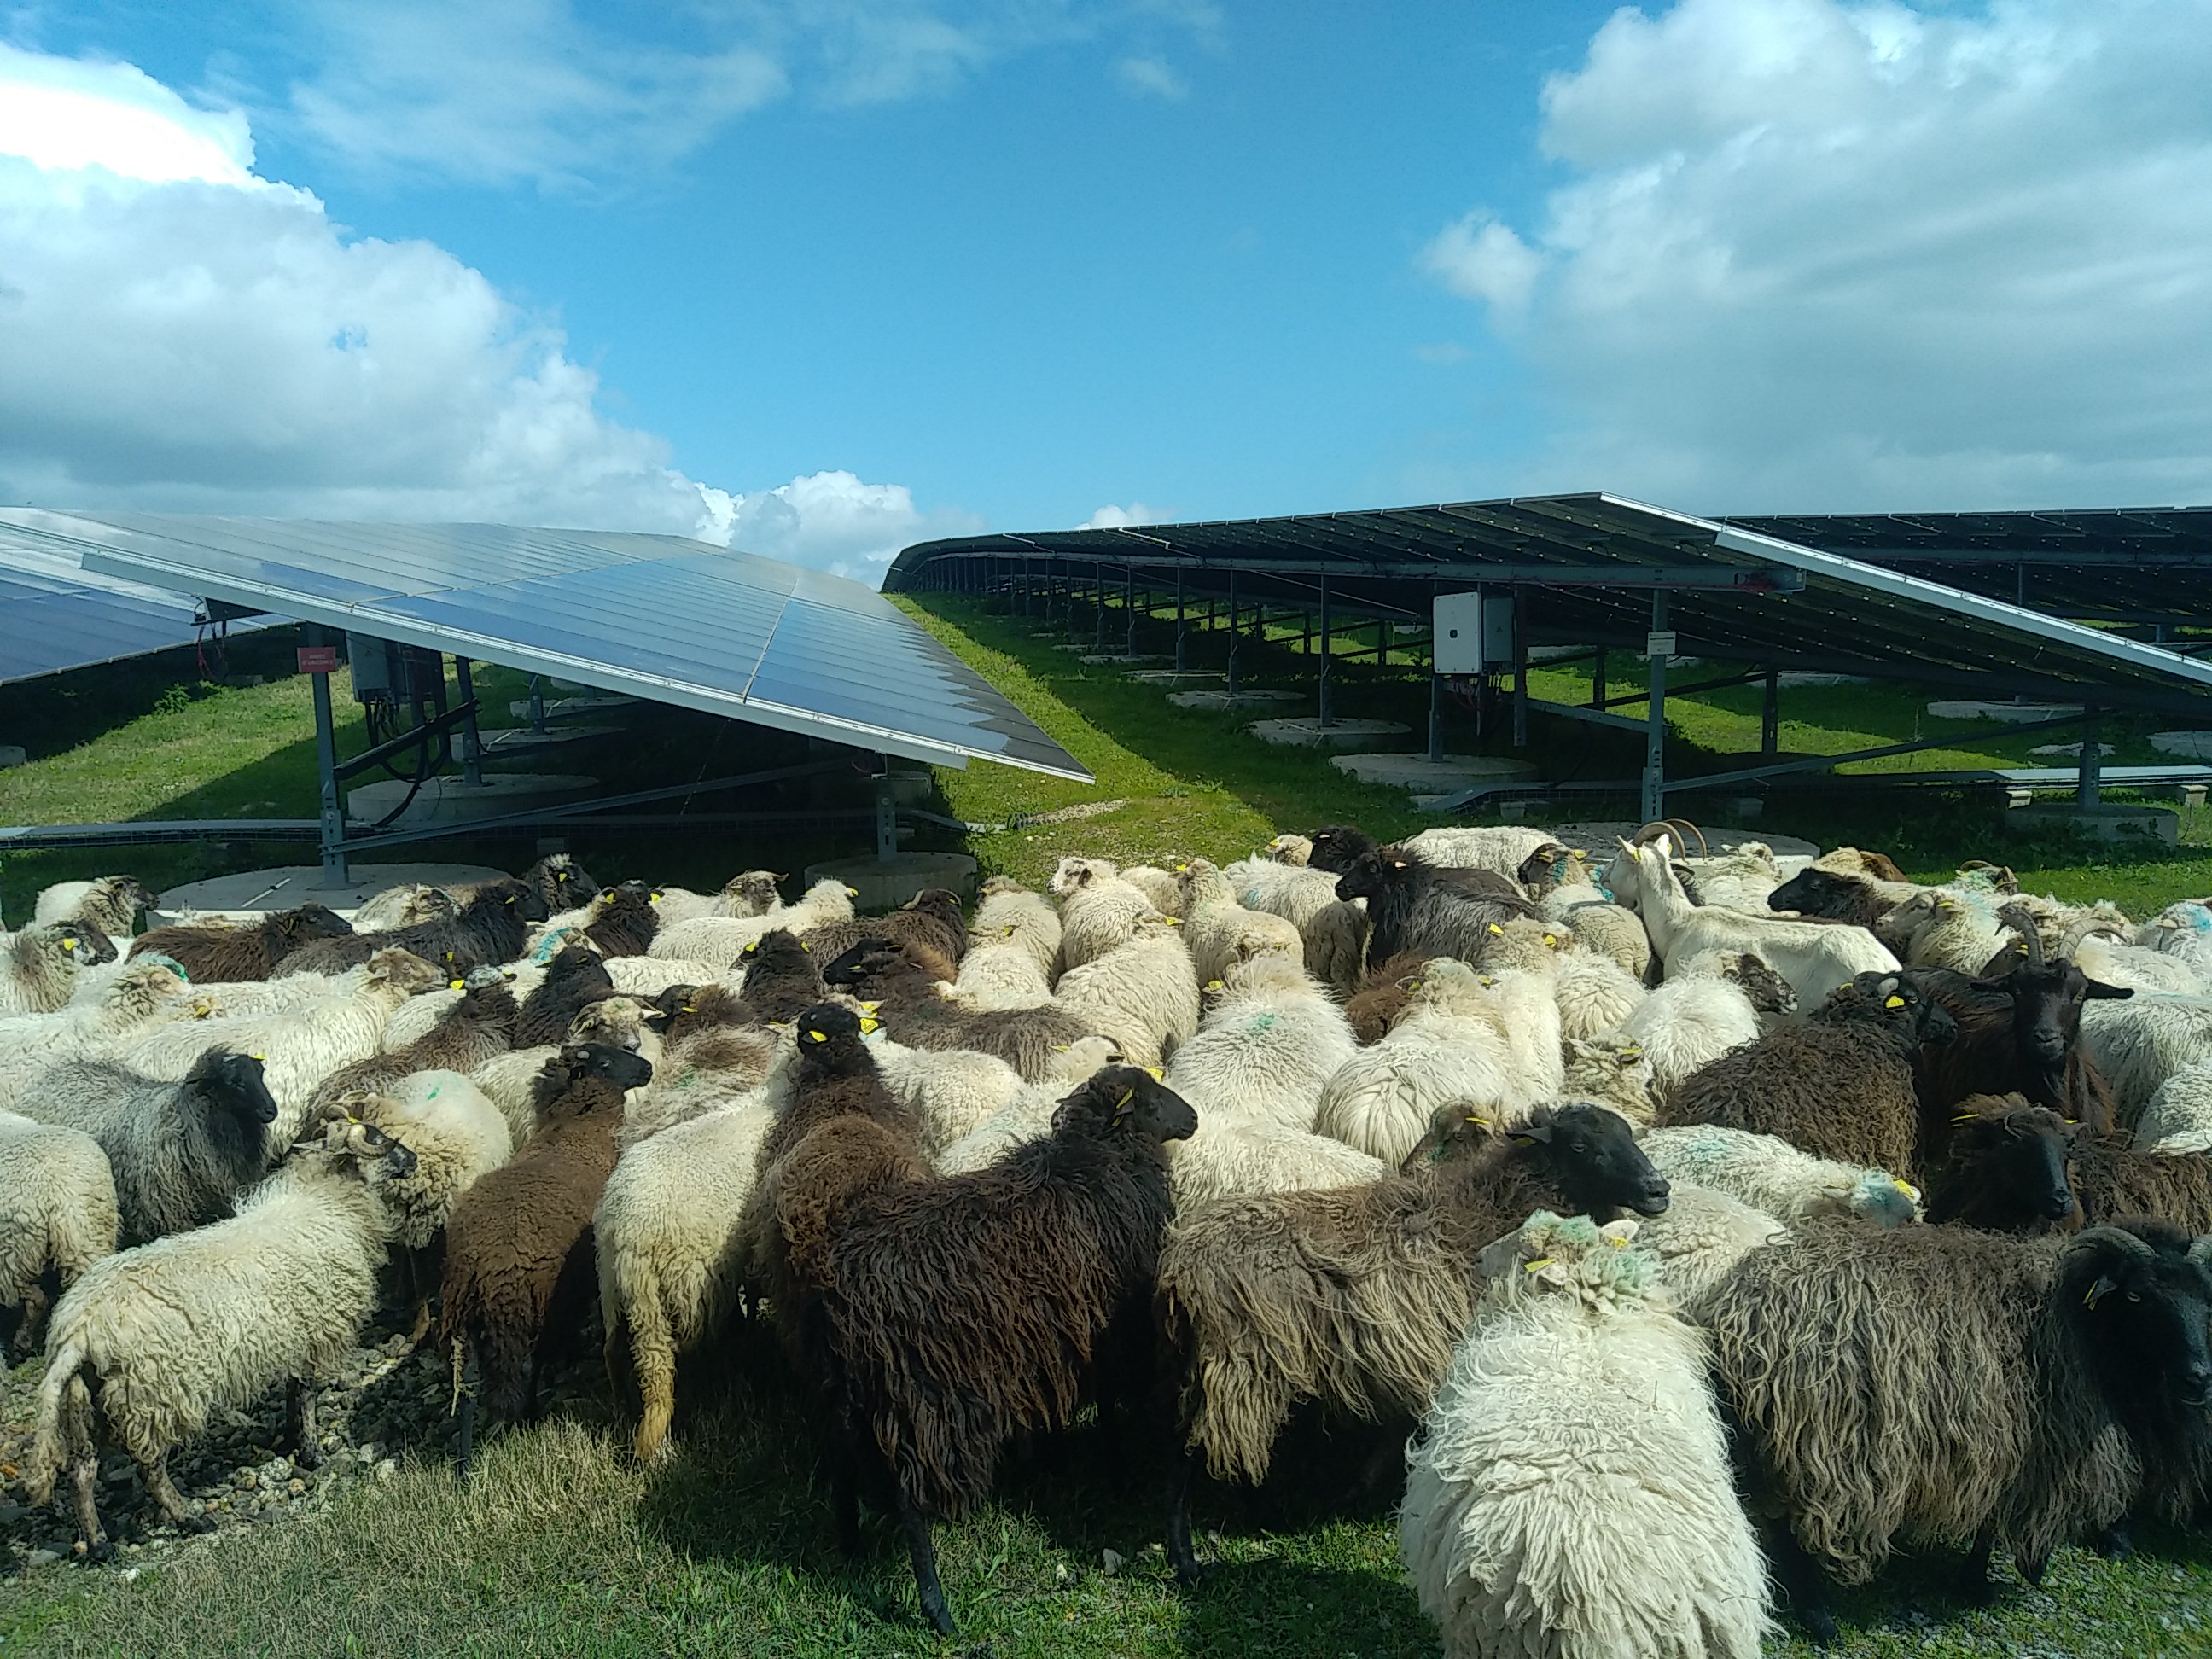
(1839, 1085)
(576, 977)
(479, 1027)
(930, 918)
(519, 1244)
(491, 928)
(2016, 1167)
(212, 952)
(1374, 1008)
(626, 920)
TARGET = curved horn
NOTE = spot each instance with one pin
(1652, 832)
(1704, 851)
(2016, 917)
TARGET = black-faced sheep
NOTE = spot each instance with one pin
(1414, 907)
(1336, 847)
(627, 916)
(491, 928)
(178, 1330)
(517, 1245)
(1840, 1085)
(224, 951)
(954, 1315)
(576, 976)
(1947, 1384)
(914, 1013)
(2016, 1167)
(1355, 1297)
(182, 1152)
(783, 976)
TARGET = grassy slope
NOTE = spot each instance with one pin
(558, 1548)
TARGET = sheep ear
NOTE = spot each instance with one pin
(2105, 1286)
(1529, 1134)
(2098, 992)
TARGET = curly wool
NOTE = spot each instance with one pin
(1703, 1234)
(1442, 1052)
(1686, 1025)
(1569, 1495)
(1143, 994)
(1769, 1173)
(1097, 910)
(1267, 1049)
(39, 967)
(722, 940)
(222, 951)
(1010, 914)
(58, 1210)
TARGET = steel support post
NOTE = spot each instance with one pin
(1597, 679)
(1180, 620)
(1129, 605)
(332, 817)
(2090, 791)
(1655, 730)
(1435, 711)
(1327, 715)
(1382, 643)
(471, 741)
(1520, 670)
(1235, 636)
(886, 818)
(1770, 715)
(1098, 597)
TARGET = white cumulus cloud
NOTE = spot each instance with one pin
(178, 333)
(1152, 77)
(835, 522)
(1110, 517)
(1838, 254)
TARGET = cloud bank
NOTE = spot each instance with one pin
(1817, 254)
(178, 333)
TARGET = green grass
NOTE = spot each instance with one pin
(559, 1547)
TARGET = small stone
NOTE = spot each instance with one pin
(1112, 1561)
(247, 1479)
(386, 1470)
(41, 1557)
(296, 1486)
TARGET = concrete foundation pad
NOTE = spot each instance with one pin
(1806, 677)
(886, 884)
(519, 739)
(1184, 677)
(2071, 751)
(2185, 745)
(2012, 713)
(13, 754)
(447, 799)
(2123, 825)
(1096, 661)
(1432, 777)
(1344, 736)
(1233, 699)
(570, 708)
(258, 892)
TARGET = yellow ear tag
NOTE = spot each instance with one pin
(457, 985)
(1964, 1117)
(805, 946)
(1905, 1187)
(1495, 928)
(1480, 1122)
(1540, 1263)
(851, 892)
(653, 898)
(1172, 922)
(69, 944)
(510, 899)
(1618, 1242)
(1156, 1074)
(1215, 985)
(1124, 1097)
(870, 1007)
(560, 875)
(260, 1057)
(689, 1008)
(1551, 940)
(1633, 1051)
(1893, 1002)
(868, 1024)
(818, 1037)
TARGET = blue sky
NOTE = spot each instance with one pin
(824, 277)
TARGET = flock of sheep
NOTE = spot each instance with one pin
(1656, 1195)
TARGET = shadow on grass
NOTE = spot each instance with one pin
(1291, 1605)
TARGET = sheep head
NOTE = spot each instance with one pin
(754, 893)
(1337, 847)
(1570, 1255)
(405, 972)
(2006, 1168)
(235, 1084)
(365, 1128)
(2139, 1294)
(1127, 1102)
(1592, 1154)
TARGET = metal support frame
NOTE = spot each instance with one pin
(1436, 713)
(1654, 805)
(1129, 607)
(886, 814)
(1236, 634)
(471, 738)
(1770, 715)
(1328, 715)
(1182, 622)
(2090, 792)
(538, 704)
(1098, 604)
(1597, 678)
(1520, 671)
(331, 819)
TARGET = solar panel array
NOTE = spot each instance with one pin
(663, 618)
(55, 616)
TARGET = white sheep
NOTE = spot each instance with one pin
(1938, 928)
(1613, 1072)
(298, 1049)
(1158, 886)
(670, 1261)
(39, 967)
(952, 1091)
(57, 1212)
(1009, 914)
(1142, 993)
(2182, 930)
(1445, 1050)
(1502, 848)
(1097, 909)
(2179, 1108)
(723, 939)
(1738, 879)
(2111, 962)
(147, 994)
(1569, 1494)
(207, 1321)
(1595, 993)
(111, 903)
(1814, 957)
(1231, 1157)
(1268, 1048)
(1219, 931)
(648, 976)
(1770, 1175)
(1289, 891)
(1000, 972)
(1686, 1022)
(1701, 1235)
(751, 893)
(2140, 1042)
(1291, 849)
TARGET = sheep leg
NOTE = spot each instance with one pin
(1181, 1556)
(299, 1408)
(1974, 1582)
(923, 1554)
(2116, 1542)
(84, 1470)
(166, 1497)
(1805, 1584)
(467, 1446)
(31, 1333)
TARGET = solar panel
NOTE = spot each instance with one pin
(55, 616)
(663, 618)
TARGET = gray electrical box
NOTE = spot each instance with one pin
(1473, 633)
(372, 665)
